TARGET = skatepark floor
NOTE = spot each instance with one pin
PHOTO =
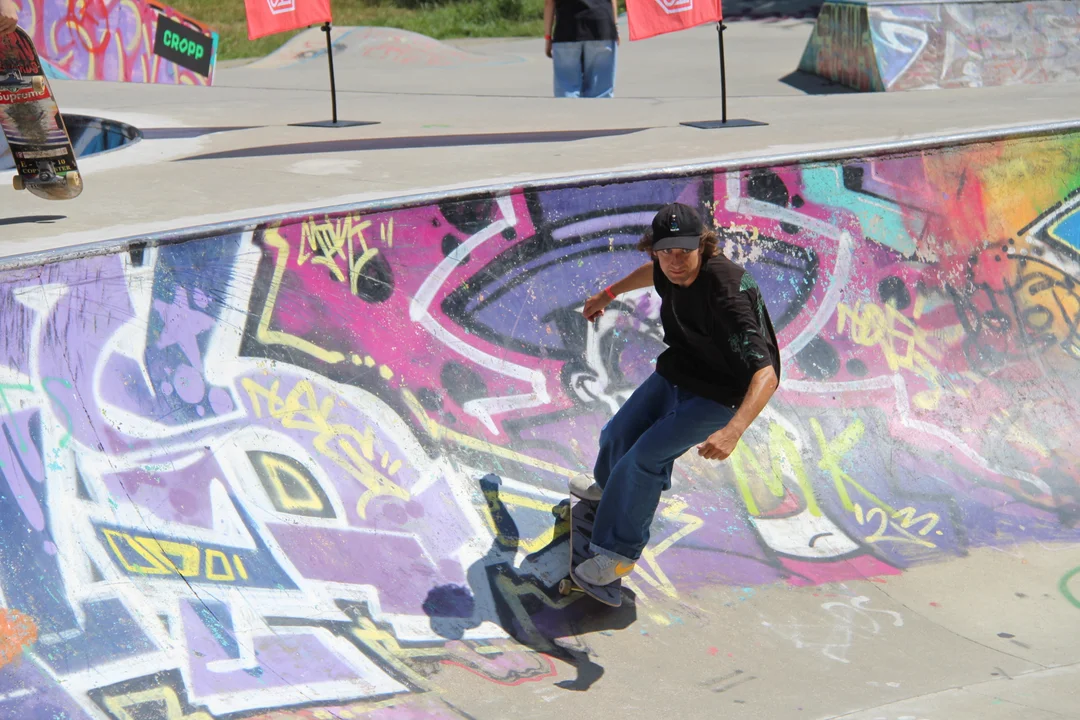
(230, 151)
(986, 637)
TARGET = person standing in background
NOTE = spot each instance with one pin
(581, 37)
(9, 16)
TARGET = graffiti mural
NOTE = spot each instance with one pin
(945, 45)
(110, 40)
(306, 464)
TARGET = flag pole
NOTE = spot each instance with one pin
(334, 122)
(723, 122)
(720, 28)
(333, 85)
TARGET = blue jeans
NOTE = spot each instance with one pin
(638, 448)
(584, 69)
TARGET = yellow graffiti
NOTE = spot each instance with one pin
(285, 480)
(907, 519)
(326, 242)
(674, 511)
(336, 244)
(785, 461)
(832, 453)
(386, 647)
(533, 544)
(225, 574)
(513, 594)
(164, 698)
(439, 432)
(276, 337)
(758, 484)
(352, 450)
(165, 557)
(1051, 305)
(903, 344)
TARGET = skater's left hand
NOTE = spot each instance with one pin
(9, 17)
(720, 444)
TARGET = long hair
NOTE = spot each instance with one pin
(707, 243)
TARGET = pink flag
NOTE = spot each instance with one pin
(266, 17)
(656, 17)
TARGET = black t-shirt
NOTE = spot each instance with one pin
(718, 331)
(581, 20)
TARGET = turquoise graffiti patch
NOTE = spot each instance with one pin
(882, 221)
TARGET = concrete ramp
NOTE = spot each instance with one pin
(374, 45)
(914, 45)
(306, 466)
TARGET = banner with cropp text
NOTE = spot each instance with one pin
(268, 17)
(656, 17)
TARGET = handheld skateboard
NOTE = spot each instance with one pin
(36, 134)
(581, 514)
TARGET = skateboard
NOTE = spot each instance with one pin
(36, 134)
(581, 514)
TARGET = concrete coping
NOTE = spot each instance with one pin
(123, 244)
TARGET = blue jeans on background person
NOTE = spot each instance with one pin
(638, 448)
(584, 69)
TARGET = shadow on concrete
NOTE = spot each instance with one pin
(183, 133)
(814, 84)
(453, 609)
(412, 142)
(27, 219)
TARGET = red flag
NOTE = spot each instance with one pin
(656, 17)
(266, 17)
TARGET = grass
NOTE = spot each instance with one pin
(448, 19)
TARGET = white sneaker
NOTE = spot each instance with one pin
(601, 570)
(583, 486)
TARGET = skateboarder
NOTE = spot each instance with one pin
(721, 367)
(9, 16)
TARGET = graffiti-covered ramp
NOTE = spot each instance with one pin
(307, 466)
(877, 45)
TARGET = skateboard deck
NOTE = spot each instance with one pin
(582, 513)
(31, 121)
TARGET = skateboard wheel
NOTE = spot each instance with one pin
(74, 179)
(564, 512)
(17, 183)
(38, 83)
(565, 586)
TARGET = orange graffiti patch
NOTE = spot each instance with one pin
(16, 632)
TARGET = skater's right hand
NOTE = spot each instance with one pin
(9, 17)
(594, 306)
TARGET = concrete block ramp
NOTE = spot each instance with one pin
(874, 45)
(305, 466)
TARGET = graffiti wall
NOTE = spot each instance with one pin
(111, 40)
(946, 45)
(306, 464)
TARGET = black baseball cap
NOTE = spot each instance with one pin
(677, 226)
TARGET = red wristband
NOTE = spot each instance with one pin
(547, 37)
(609, 293)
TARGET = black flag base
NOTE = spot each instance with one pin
(334, 123)
(723, 122)
(718, 124)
